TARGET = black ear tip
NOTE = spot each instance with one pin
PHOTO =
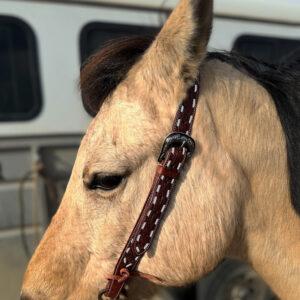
(203, 12)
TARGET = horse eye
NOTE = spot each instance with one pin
(105, 182)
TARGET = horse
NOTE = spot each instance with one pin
(239, 195)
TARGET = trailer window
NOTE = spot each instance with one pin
(94, 35)
(20, 96)
(268, 49)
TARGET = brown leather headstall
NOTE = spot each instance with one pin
(177, 149)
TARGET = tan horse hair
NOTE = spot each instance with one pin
(234, 199)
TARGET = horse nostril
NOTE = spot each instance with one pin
(25, 296)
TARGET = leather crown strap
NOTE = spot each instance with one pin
(177, 149)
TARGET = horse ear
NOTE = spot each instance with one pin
(181, 45)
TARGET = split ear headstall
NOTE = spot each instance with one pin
(178, 147)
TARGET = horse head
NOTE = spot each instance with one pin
(225, 204)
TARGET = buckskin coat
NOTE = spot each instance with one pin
(239, 197)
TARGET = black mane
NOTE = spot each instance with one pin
(282, 81)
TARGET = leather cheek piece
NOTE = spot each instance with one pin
(177, 148)
(172, 173)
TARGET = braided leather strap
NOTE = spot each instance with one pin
(178, 147)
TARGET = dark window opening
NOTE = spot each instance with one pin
(94, 35)
(20, 94)
(268, 49)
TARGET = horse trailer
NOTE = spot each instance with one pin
(42, 47)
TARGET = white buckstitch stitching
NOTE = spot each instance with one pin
(196, 88)
(194, 103)
(158, 189)
(154, 200)
(162, 177)
(178, 122)
(169, 164)
(182, 108)
(163, 208)
(149, 213)
(125, 260)
(138, 238)
(137, 249)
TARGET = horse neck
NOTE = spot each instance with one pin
(248, 127)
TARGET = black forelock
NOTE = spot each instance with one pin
(105, 70)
